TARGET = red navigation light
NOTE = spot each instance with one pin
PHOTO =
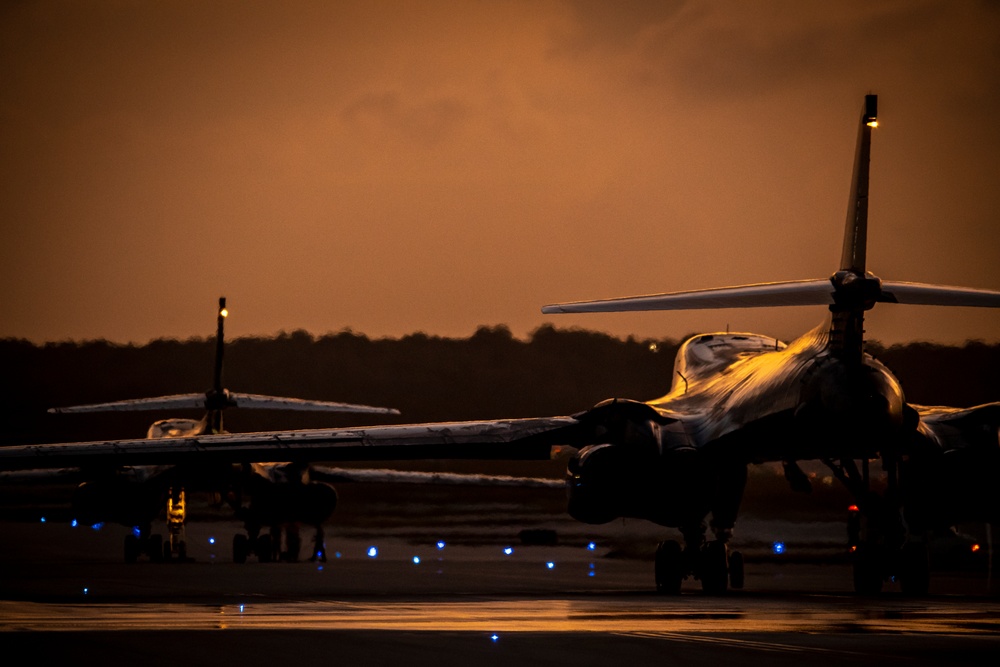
(853, 508)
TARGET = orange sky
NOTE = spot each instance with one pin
(402, 166)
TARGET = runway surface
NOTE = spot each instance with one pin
(64, 596)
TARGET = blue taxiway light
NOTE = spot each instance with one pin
(551, 565)
(372, 552)
(494, 638)
(591, 546)
(211, 540)
(43, 519)
(73, 523)
(98, 526)
(86, 590)
(778, 547)
(241, 609)
(416, 560)
(136, 531)
(336, 554)
(508, 550)
(440, 544)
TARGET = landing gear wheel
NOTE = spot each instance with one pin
(154, 547)
(241, 548)
(714, 568)
(263, 549)
(294, 543)
(669, 568)
(736, 570)
(131, 548)
(915, 569)
(867, 572)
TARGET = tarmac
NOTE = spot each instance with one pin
(442, 591)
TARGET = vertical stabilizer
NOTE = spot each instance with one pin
(856, 291)
(856, 232)
(217, 398)
(219, 345)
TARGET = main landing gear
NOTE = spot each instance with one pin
(267, 547)
(880, 545)
(141, 543)
(711, 562)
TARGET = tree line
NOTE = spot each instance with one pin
(490, 374)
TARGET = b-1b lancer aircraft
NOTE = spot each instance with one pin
(281, 494)
(736, 399)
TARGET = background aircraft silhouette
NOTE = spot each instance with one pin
(281, 495)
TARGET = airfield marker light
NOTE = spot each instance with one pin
(43, 519)
(508, 550)
(97, 526)
(136, 531)
(494, 637)
(416, 560)
(211, 540)
(241, 609)
(372, 552)
(778, 547)
(73, 523)
(336, 554)
(975, 548)
(86, 590)
(590, 574)
(440, 544)
(551, 565)
(591, 546)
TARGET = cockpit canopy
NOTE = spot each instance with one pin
(705, 354)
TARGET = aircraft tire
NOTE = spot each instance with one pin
(714, 568)
(294, 543)
(154, 547)
(736, 574)
(669, 568)
(867, 573)
(915, 569)
(131, 548)
(241, 548)
(263, 549)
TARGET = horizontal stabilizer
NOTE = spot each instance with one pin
(919, 294)
(200, 402)
(380, 475)
(176, 401)
(794, 293)
(279, 403)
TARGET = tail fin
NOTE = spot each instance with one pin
(219, 345)
(218, 398)
(856, 233)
